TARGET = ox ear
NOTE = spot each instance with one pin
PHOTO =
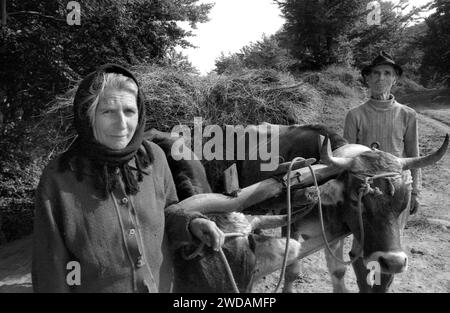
(332, 192)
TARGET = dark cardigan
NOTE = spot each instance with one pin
(120, 243)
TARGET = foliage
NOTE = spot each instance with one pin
(320, 33)
(334, 81)
(396, 33)
(264, 53)
(436, 46)
(313, 27)
(410, 52)
(41, 54)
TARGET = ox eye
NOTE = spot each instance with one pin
(130, 111)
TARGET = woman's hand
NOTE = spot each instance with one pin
(207, 232)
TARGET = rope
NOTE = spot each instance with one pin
(364, 190)
(200, 247)
(227, 265)
(228, 269)
(322, 226)
(289, 213)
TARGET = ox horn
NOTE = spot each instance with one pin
(273, 221)
(326, 156)
(418, 162)
(268, 221)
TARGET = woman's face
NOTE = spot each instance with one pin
(116, 118)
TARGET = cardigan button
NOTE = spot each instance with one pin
(132, 232)
(124, 200)
(375, 145)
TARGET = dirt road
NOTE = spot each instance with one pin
(428, 235)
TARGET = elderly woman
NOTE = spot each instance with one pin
(383, 123)
(109, 202)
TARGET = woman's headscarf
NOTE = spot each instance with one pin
(106, 161)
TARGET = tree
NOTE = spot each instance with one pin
(322, 32)
(264, 53)
(41, 54)
(409, 50)
(313, 27)
(393, 35)
(436, 45)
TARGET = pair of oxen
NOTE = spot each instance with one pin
(363, 192)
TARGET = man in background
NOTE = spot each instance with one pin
(385, 124)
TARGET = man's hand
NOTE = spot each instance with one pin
(415, 204)
(207, 232)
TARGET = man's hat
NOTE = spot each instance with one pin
(382, 59)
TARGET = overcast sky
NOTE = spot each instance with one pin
(234, 24)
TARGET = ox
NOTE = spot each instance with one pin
(349, 167)
(250, 256)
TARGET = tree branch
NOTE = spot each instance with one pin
(37, 13)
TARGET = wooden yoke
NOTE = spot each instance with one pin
(256, 193)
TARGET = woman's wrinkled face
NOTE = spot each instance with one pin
(116, 118)
(381, 79)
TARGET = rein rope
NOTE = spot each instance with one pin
(289, 217)
(223, 258)
(365, 189)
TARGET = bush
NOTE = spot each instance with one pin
(17, 184)
(349, 76)
(17, 218)
(263, 54)
(335, 81)
(406, 85)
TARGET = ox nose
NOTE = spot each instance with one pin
(393, 262)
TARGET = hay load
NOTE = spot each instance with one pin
(258, 96)
(250, 97)
(172, 96)
(253, 97)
